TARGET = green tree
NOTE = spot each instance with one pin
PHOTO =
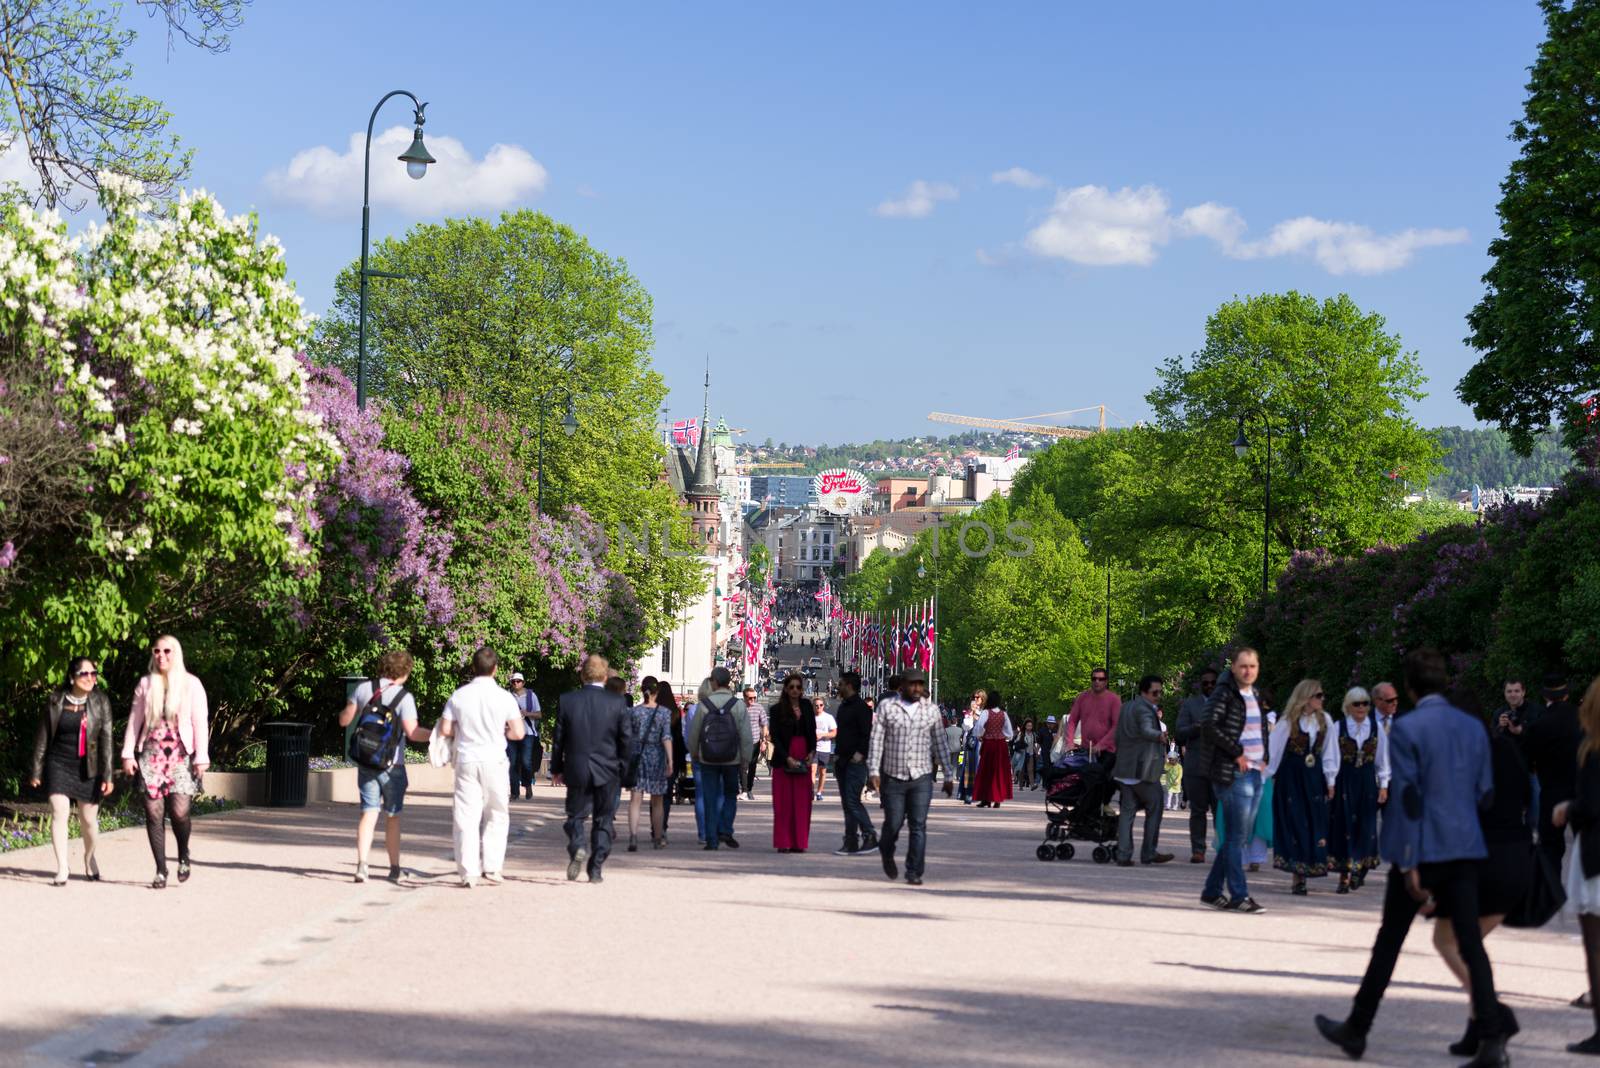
(67, 102)
(1537, 324)
(523, 314)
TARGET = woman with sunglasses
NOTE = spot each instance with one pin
(794, 746)
(1303, 764)
(1362, 786)
(73, 756)
(168, 729)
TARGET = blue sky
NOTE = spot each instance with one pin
(755, 165)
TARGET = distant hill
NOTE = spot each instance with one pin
(1472, 457)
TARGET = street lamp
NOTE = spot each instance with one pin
(416, 159)
(1241, 448)
(569, 426)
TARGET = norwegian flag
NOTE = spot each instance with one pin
(1014, 452)
(929, 637)
(910, 643)
(1591, 409)
(742, 571)
(837, 611)
(686, 432)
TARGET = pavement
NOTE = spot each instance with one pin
(270, 955)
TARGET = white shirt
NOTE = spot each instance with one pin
(825, 723)
(1359, 733)
(1311, 726)
(480, 711)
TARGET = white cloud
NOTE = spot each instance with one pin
(1094, 226)
(330, 182)
(918, 202)
(1020, 177)
(1344, 248)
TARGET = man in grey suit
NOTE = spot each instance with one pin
(1196, 783)
(1141, 754)
(593, 743)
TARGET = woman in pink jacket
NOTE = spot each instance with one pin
(169, 732)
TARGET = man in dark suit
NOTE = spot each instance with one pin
(1551, 744)
(593, 743)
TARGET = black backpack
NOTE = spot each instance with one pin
(719, 738)
(380, 732)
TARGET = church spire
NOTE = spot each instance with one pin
(705, 474)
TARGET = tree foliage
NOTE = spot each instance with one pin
(522, 315)
(1537, 324)
(67, 102)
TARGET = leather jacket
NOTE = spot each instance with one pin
(102, 752)
(1220, 726)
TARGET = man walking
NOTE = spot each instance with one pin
(760, 737)
(593, 744)
(720, 745)
(384, 789)
(524, 753)
(850, 765)
(1196, 787)
(827, 731)
(1047, 741)
(907, 742)
(1233, 755)
(1096, 710)
(1141, 755)
(480, 718)
(1440, 775)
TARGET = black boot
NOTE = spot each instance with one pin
(1469, 1041)
(1491, 1054)
(1341, 1034)
(1508, 1021)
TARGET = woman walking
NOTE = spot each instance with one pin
(1583, 873)
(1303, 764)
(1023, 754)
(794, 744)
(168, 729)
(678, 766)
(1362, 786)
(73, 756)
(994, 754)
(652, 726)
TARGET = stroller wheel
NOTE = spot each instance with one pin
(1046, 851)
(1053, 831)
(1065, 851)
(1101, 855)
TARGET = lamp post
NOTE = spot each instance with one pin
(416, 159)
(1241, 448)
(569, 426)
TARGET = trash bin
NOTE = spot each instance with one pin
(288, 763)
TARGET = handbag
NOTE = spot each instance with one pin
(630, 776)
(1545, 893)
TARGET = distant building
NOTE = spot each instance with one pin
(783, 491)
(893, 494)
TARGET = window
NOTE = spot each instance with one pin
(666, 656)
(827, 537)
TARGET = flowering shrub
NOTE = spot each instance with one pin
(169, 348)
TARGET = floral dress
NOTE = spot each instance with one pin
(650, 726)
(164, 762)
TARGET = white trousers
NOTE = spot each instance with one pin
(482, 815)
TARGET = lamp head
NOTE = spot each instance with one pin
(569, 422)
(1241, 445)
(922, 572)
(416, 158)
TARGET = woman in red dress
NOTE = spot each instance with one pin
(994, 756)
(794, 745)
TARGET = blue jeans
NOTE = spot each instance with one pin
(520, 754)
(1238, 801)
(719, 785)
(852, 778)
(906, 800)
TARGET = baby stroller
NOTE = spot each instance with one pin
(1075, 795)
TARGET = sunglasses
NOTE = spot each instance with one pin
(1318, 695)
(87, 675)
(1360, 704)
(1097, 678)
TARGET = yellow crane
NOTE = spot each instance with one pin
(1021, 424)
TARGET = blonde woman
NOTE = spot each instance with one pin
(73, 758)
(1362, 786)
(169, 731)
(1303, 764)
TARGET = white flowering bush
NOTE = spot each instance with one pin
(166, 348)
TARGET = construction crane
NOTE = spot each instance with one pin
(742, 468)
(1021, 425)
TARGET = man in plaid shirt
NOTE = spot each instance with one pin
(907, 740)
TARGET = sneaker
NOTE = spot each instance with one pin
(1219, 902)
(493, 878)
(847, 850)
(469, 882)
(869, 844)
(728, 840)
(914, 880)
(1245, 904)
(361, 873)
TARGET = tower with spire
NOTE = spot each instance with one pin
(703, 494)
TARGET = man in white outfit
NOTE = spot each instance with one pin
(480, 718)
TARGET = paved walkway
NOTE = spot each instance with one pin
(271, 956)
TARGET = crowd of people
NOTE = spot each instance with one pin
(1471, 813)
